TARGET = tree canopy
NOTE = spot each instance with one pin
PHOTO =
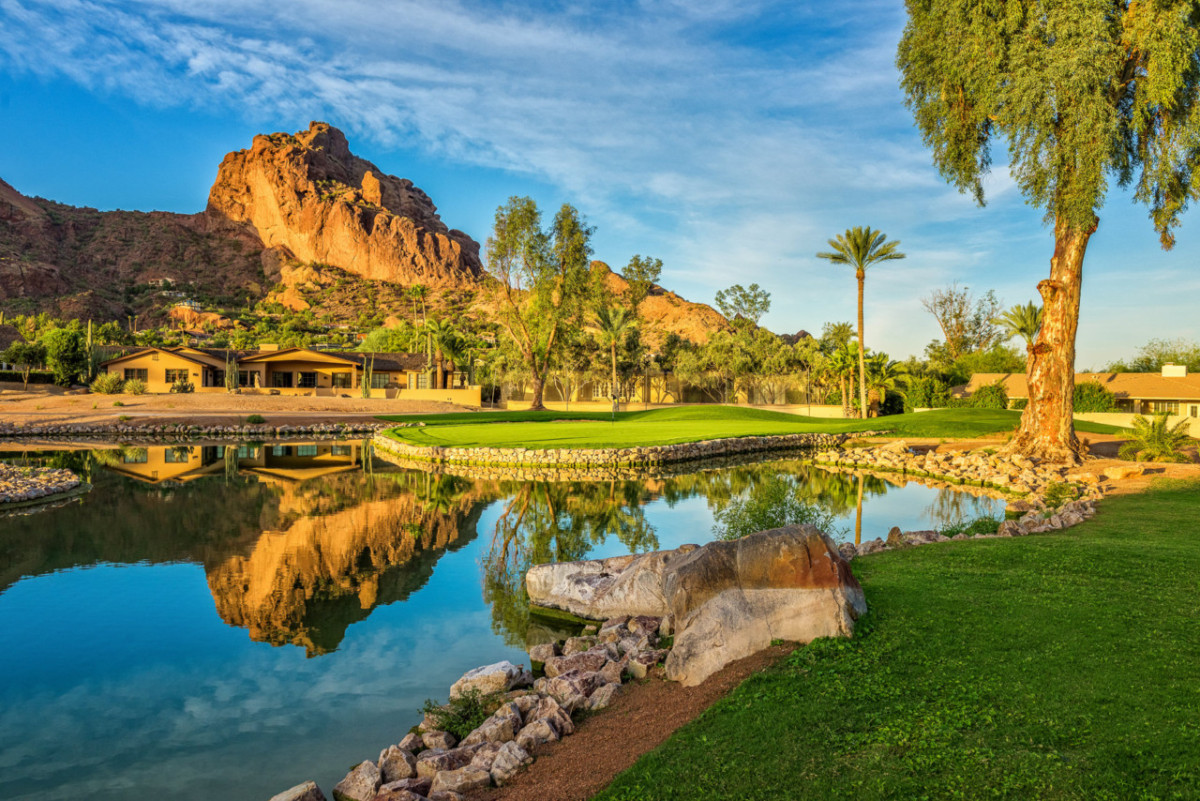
(750, 303)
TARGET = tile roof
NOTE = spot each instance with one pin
(1125, 386)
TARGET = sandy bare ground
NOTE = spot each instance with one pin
(53, 405)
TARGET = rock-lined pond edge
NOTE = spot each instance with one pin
(23, 488)
(184, 432)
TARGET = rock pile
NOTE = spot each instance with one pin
(581, 673)
(180, 432)
(23, 484)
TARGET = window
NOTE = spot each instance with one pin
(180, 455)
(422, 380)
(1158, 407)
(602, 390)
(243, 378)
(282, 380)
(459, 380)
(138, 373)
(306, 450)
(218, 378)
(1195, 412)
(135, 456)
(279, 450)
(307, 380)
(176, 375)
(341, 450)
(380, 380)
(343, 380)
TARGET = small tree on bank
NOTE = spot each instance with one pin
(1081, 93)
(543, 279)
(26, 356)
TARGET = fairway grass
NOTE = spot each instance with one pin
(540, 430)
(1060, 666)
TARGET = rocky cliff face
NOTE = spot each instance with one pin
(667, 313)
(308, 196)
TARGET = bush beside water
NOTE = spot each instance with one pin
(771, 504)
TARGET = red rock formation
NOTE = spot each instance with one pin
(310, 197)
(665, 312)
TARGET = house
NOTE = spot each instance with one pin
(1172, 390)
(295, 371)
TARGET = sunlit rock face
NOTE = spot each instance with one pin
(331, 561)
(307, 196)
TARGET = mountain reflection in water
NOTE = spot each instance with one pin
(300, 540)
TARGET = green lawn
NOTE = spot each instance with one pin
(683, 424)
(1062, 666)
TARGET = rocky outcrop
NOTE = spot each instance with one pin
(664, 312)
(309, 197)
(725, 600)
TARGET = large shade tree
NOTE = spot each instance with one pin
(861, 248)
(543, 278)
(1083, 92)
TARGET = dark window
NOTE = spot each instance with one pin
(307, 380)
(177, 455)
(341, 450)
(140, 373)
(135, 455)
(176, 375)
(343, 380)
(306, 450)
(281, 379)
(243, 378)
(422, 380)
(379, 380)
(218, 378)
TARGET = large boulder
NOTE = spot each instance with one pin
(725, 600)
(600, 589)
(360, 784)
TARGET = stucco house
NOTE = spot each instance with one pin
(293, 371)
(1172, 390)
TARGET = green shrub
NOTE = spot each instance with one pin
(135, 386)
(926, 392)
(1154, 441)
(1091, 396)
(107, 384)
(464, 714)
(256, 419)
(993, 396)
(1019, 404)
(182, 385)
(117, 403)
(771, 504)
(980, 525)
(1058, 492)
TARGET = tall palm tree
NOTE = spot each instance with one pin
(840, 365)
(613, 322)
(861, 248)
(1023, 321)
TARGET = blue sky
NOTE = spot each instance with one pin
(729, 138)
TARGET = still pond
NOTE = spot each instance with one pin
(218, 621)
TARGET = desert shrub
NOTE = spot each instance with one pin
(135, 386)
(926, 392)
(464, 714)
(1155, 441)
(1091, 396)
(182, 385)
(1019, 404)
(107, 383)
(769, 505)
(255, 419)
(980, 525)
(1057, 493)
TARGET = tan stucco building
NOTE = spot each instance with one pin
(1172, 391)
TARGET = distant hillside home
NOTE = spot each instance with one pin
(295, 371)
(1172, 390)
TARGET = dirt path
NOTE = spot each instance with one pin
(643, 716)
(53, 405)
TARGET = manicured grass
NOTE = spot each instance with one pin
(1063, 666)
(683, 424)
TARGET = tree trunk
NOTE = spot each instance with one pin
(862, 364)
(858, 513)
(614, 377)
(1047, 428)
(539, 384)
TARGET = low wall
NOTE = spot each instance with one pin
(591, 458)
(1125, 420)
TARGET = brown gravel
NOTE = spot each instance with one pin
(643, 716)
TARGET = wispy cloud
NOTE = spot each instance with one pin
(719, 121)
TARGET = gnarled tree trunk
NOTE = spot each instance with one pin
(1047, 428)
(539, 385)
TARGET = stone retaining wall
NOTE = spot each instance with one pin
(184, 432)
(605, 463)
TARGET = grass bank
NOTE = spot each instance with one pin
(684, 424)
(1062, 666)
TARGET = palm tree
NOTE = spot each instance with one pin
(861, 248)
(885, 375)
(1023, 321)
(1153, 441)
(418, 292)
(613, 322)
(841, 367)
(443, 337)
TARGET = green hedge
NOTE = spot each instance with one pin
(34, 377)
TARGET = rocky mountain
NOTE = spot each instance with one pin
(295, 220)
